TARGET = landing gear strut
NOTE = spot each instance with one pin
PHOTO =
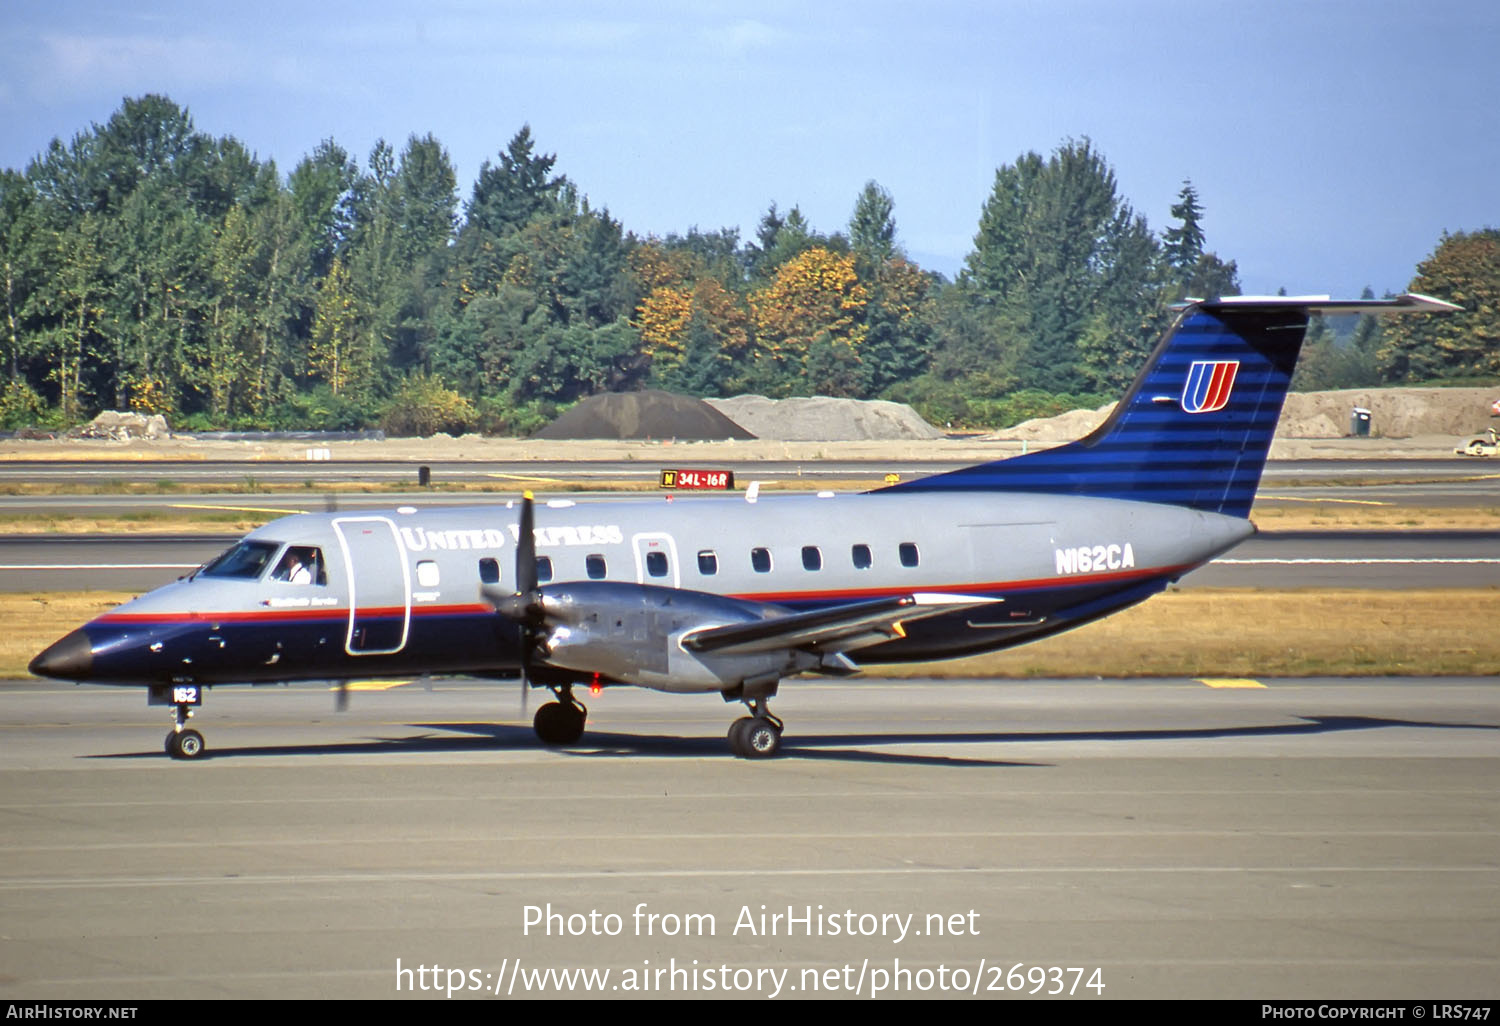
(183, 743)
(560, 722)
(757, 736)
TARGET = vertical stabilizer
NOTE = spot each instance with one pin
(1195, 427)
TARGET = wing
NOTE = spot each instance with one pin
(836, 629)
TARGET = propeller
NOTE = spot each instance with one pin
(523, 607)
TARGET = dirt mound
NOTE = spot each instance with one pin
(1394, 413)
(652, 414)
(122, 427)
(821, 418)
(1062, 428)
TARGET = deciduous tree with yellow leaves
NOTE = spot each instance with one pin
(814, 301)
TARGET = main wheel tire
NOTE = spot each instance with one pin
(545, 723)
(737, 743)
(761, 739)
(559, 724)
(571, 723)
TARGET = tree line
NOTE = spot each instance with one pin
(147, 265)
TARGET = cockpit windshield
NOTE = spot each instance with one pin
(247, 560)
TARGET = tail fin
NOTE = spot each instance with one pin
(1195, 427)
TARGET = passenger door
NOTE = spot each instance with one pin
(379, 585)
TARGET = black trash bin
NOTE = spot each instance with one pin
(1359, 422)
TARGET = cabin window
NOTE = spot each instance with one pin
(543, 569)
(861, 556)
(760, 560)
(489, 570)
(708, 562)
(594, 566)
(908, 551)
(247, 560)
(427, 573)
(656, 564)
(812, 559)
(301, 564)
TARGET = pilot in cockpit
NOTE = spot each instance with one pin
(298, 566)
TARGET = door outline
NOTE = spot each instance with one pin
(349, 575)
(639, 543)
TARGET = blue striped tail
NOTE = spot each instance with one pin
(1193, 430)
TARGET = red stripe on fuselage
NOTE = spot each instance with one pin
(334, 613)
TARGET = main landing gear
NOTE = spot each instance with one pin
(183, 742)
(757, 736)
(560, 722)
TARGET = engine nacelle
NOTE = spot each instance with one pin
(633, 633)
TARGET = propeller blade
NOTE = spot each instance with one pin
(528, 611)
(526, 547)
(341, 699)
(525, 669)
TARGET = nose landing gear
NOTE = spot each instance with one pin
(183, 742)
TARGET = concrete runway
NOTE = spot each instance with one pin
(1309, 839)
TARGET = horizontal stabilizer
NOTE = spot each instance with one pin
(1411, 302)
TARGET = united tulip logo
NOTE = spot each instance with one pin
(1209, 383)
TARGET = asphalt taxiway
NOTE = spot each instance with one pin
(1308, 839)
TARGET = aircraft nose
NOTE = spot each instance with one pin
(70, 658)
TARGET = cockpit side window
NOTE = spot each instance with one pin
(301, 564)
(246, 561)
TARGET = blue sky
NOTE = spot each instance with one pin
(1331, 141)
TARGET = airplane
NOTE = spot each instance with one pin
(731, 594)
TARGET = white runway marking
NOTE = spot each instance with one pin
(622, 873)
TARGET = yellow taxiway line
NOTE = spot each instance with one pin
(234, 509)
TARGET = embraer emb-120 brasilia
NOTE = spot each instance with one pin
(732, 595)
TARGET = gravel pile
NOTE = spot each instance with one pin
(1394, 413)
(824, 419)
(652, 414)
(1062, 428)
(122, 427)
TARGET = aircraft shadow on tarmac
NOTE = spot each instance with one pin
(475, 737)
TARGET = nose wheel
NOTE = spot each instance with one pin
(183, 742)
(185, 745)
